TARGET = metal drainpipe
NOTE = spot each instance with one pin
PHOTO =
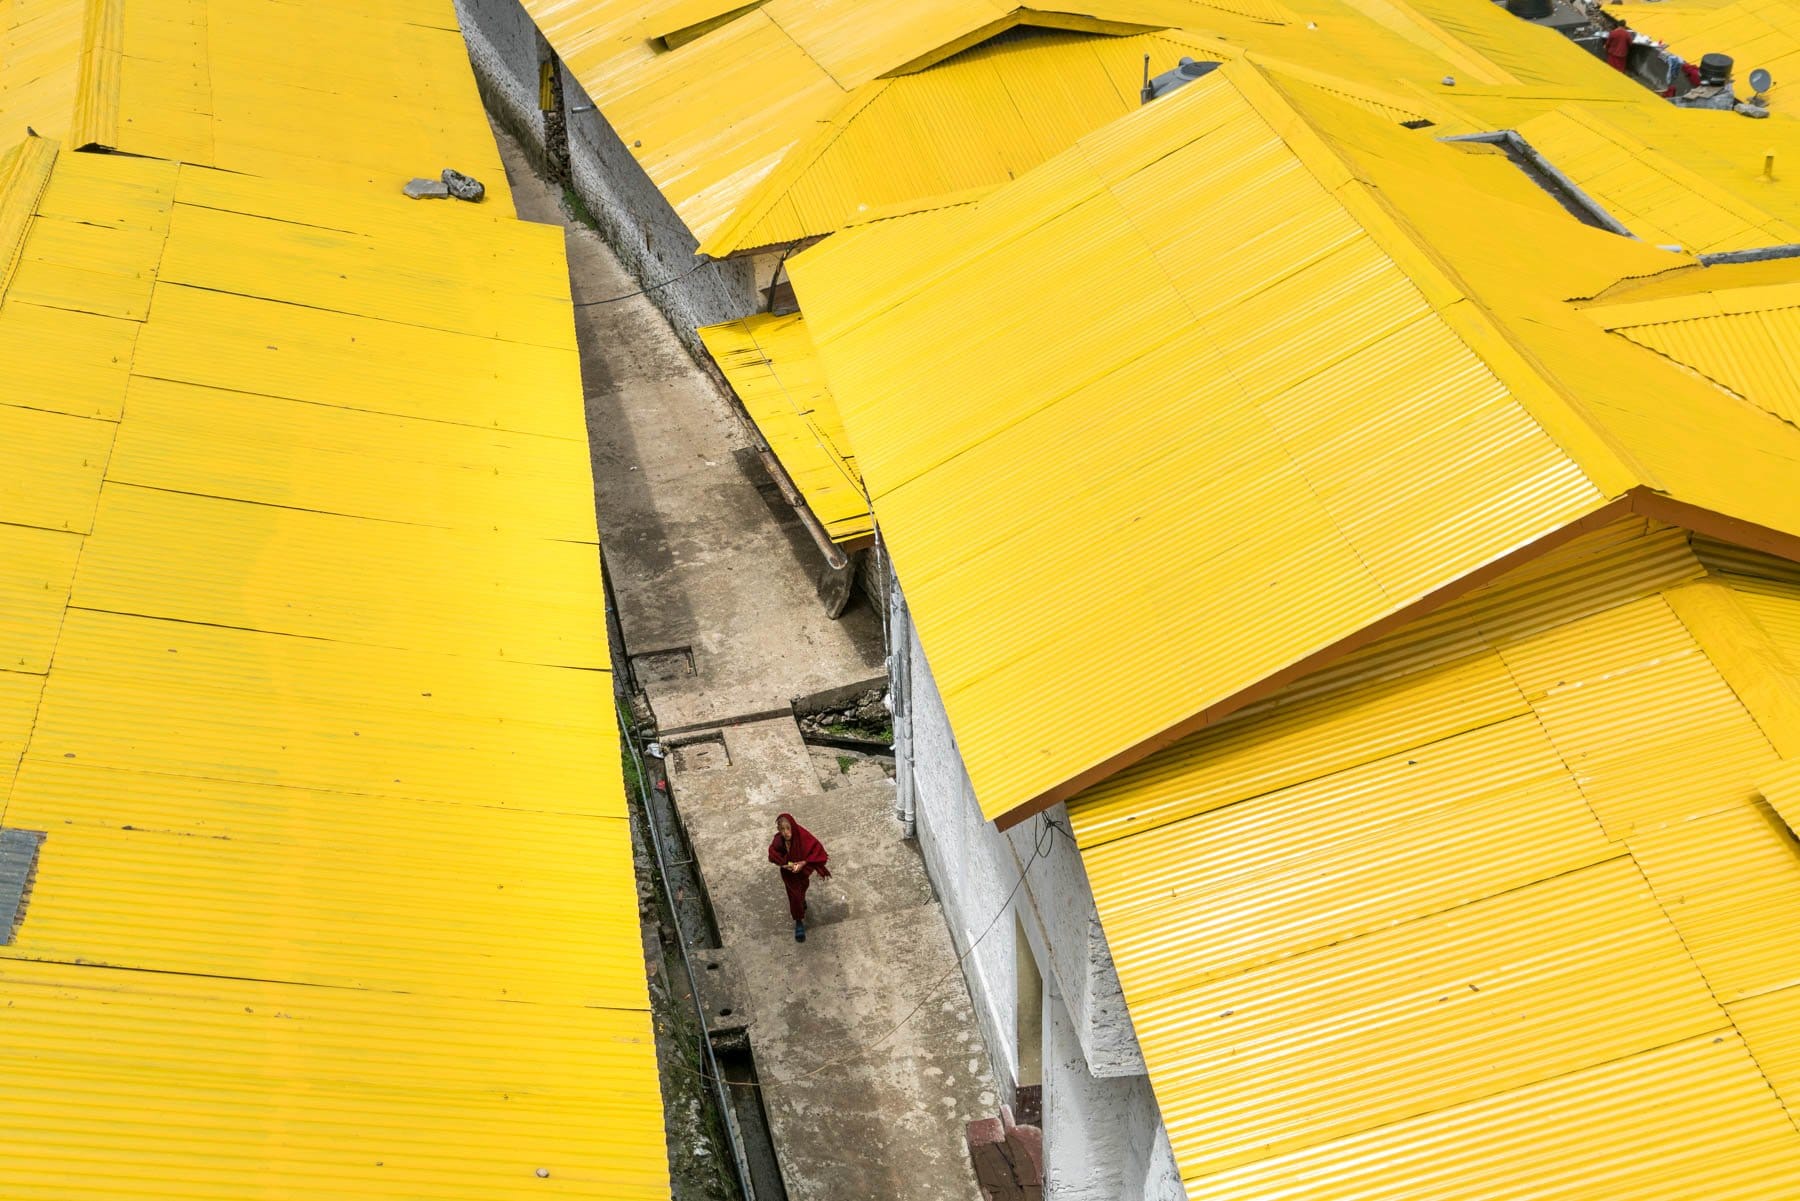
(900, 692)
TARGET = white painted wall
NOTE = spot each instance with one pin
(649, 238)
(1103, 1134)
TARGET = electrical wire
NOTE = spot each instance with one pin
(645, 291)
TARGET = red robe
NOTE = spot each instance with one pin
(805, 850)
(1618, 48)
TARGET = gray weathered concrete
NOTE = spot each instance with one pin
(702, 551)
(854, 1114)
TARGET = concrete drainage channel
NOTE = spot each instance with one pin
(690, 939)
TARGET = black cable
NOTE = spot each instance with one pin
(588, 304)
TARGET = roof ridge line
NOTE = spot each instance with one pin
(24, 174)
(1640, 501)
(95, 121)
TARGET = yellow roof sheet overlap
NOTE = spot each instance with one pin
(1187, 307)
(762, 130)
(259, 87)
(1770, 1025)
(1426, 913)
(303, 674)
(1744, 339)
(776, 374)
(1013, 101)
(1652, 195)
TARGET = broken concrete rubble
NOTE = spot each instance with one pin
(463, 187)
(427, 189)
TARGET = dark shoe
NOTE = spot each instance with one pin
(799, 931)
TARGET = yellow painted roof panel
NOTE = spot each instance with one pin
(1013, 101)
(39, 567)
(19, 692)
(1409, 929)
(254, 86)
(304, 676)
(1743, 339)
(50, 467)
(472, 591)
(1770, 1025)
(202, 1080)
(1652, 195)
(1240, 411)
(1692, 1119)
(775, 372)
(62, 361)
(762, 130)
(433, 473)
(1730, 881)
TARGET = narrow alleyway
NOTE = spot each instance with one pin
(863, 1038)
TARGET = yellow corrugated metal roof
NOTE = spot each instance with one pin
(1187, 316)
(973, 122)
(728, 126)
(303, 674)
(1287, 264)
(1652, 195)
(254, 86)
(774, 371)
(1486, 886)
(1742, 339)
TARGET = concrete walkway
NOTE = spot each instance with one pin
(851, 1119)
(713, 572)
(714, 577)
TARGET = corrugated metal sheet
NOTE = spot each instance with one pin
(40, 64)
(36, 568)
(1742, 340)
(19, 693)
(1237, 412)
(254, 86)
(1370, 931)
(1590, 682)
(337, 893)
(433, 473)
(232, 1087)
(1730, 881)
(775, 372)
(1421, 1017)
(776, 124)
(1692, 1119)
(1657, 198)
(1770, 1025)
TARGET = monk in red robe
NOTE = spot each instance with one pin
(800, 856)
(1618, 47)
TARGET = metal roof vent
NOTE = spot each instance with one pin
(18, 866)
(1182, 74)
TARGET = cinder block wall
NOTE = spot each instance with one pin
(644, 231)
